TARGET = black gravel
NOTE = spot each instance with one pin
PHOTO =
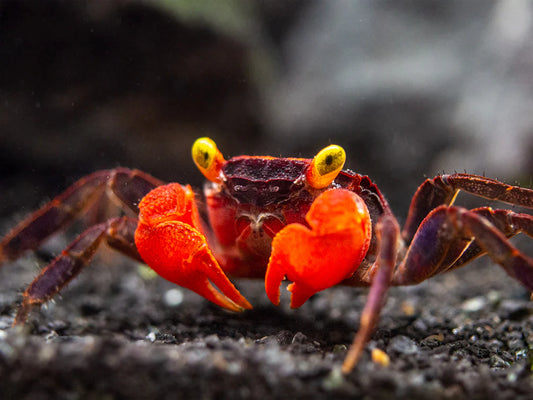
(81, 91)
(115, 333)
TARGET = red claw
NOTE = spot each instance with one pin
(169, 240)
(318, 258)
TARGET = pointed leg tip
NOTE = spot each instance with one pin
(346, 369)
(351, 360)
(22, 314)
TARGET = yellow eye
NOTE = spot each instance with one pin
(326, 166)
(207, 158)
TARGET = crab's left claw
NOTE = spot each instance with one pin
(169, 240)
(318, 258)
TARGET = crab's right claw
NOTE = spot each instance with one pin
(318, 258)
(169, 241)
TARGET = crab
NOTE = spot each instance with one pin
(306, 220)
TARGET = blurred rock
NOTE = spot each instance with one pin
(100, 84)
(411, 88)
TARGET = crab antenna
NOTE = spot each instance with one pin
(208, 158)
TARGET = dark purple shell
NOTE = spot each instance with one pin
(263, 181)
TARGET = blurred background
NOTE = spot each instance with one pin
(409, 88)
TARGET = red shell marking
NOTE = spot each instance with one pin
(261, 181)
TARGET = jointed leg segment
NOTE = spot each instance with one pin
(117, 233)
(94, 190)
(129, 186)
(443, 189)
(442, 237)
(388, 233)
(452, 236)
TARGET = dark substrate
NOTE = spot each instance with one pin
(116, 334)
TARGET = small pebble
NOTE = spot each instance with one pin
(380, 357)
(438, 337)
(333, 380)
(498, 362)
(299, 337)
(145, 272)
(5, 322)
(408, 308)
(474, 304)
(173, 297)
(7, 351)
(340, 348)
(151, 337)
(520, 354)
(403, 345)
